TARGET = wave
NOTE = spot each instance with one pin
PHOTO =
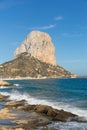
(16, 85)
(68, 126)
(17, 96)
(3, 87)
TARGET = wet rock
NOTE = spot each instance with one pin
(6, 128)
(42, 108)
(19, 129)
(4, 83)
(63, 116)
(15, 104)
(27, 124)
(54, 114)
(6, 113)
(27, 108)
(31, 117)
(3, 98)
(9, 128)
(32, 123)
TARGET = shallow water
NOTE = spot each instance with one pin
(7, 123)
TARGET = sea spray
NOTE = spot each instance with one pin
(17, 96)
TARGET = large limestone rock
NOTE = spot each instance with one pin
(39, 45)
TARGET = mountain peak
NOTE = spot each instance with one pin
(39, 45)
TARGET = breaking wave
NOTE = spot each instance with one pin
(17, 96)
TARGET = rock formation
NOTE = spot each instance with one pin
(27, 66)
(19, 115)
(4, 83)
(34, 59)
(39, 45)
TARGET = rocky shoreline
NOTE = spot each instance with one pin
(18, 115)
(5, 83)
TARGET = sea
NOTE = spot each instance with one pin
(69, 94)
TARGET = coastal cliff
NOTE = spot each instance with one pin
(34, 58)
(39, 45)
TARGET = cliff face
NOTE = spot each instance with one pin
(27, 66)
(39, 45)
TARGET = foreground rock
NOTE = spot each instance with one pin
(15, 104)
(5, 113)
(3, 98)
(4, 83)
(30, 117)
(10, 128)
(53, 114)
(39, 45)
(44, 110)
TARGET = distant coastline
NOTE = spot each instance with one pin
(82, 77)
(32, 78)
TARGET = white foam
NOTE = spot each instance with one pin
(68, 126)
(3, 87)
(15, 95)
(16, 85)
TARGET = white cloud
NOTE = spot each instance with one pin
(58, 18)
(43, 27)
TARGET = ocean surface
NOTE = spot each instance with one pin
(67, 94)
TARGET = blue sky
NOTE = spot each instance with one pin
(64, 20)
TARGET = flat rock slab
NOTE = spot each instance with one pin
(15, 104)
(4, 83)
(5, 113)
(3, 98)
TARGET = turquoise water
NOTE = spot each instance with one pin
(67, 94)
